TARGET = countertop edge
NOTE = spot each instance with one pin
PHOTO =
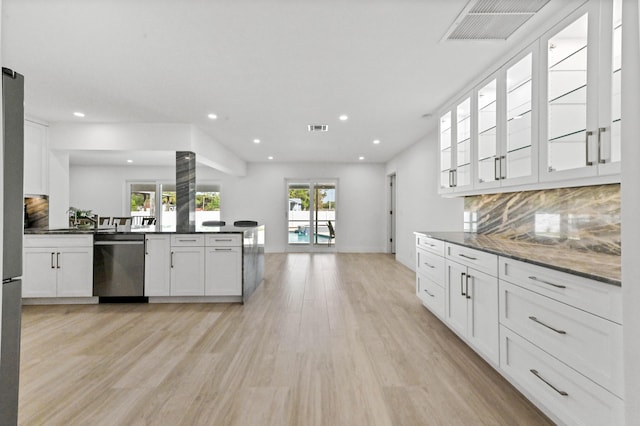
(602, 279)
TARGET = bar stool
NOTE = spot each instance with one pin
(214, 223)
(245, 223)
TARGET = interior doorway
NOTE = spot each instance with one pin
(311, 214)
(392, 213)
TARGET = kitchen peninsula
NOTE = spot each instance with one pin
(212, 264)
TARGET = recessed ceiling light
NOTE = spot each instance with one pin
(376, 142)
(361, 158)
(129, 161)
(212, 116)
(343, 117)
(78, 114)
(256, 141)
(270, 157)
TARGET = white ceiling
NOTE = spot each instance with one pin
(267, 68)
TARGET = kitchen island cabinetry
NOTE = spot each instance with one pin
(60, 266)
(157, 265)
(187, 271)
(223, 266)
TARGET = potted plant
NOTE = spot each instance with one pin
(79, 218)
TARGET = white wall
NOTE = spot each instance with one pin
(418, 205)
(58, 189)
(630, 208)
(260, 195)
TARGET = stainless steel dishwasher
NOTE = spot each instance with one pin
(118, 265)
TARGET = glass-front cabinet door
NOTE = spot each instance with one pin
(462, 174)
(488, 150)
(446, 154)
(581, 115)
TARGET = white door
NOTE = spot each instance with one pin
(157, 265)
(75, 272)
(223, 271)
(483, 313)
(39, 272)
(456, 297)
(187, 271)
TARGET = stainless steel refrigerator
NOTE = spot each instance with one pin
(13, 164)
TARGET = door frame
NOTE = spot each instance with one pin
(311, 247)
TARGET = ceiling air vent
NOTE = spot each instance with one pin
(318, 128)
(492, 19)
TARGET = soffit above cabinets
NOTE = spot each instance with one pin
(492, 19)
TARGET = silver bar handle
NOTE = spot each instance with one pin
(172, 259)
(146, 250)
(546, 282)
(536, 320)
(450, 178)
(503, 170)
(223, 249)
(430, 266)
(496, 168)
(601, 130)
(58, 260)
(462, 275)
(427, 291)
(467, 286)
(586, 145)
(535, 373)
(182, 240)
(467, 257)
(455, 177)
(52, 266)
(223, 239)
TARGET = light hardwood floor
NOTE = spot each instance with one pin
(327, 339)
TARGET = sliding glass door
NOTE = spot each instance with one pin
(311, 219)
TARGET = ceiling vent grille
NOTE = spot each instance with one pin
(492, 19)
(318, 127)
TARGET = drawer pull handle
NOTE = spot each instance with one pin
(547, 282)
(430, 266)
(224, 239)
(432, 295)
(223, 249)
(184, 240)
(535, 373)
(467, 257)
(536, 320)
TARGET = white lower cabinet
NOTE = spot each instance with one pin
(187, 271)
(60, 266)
(223, 271)
(431, 294)
(157, 265)
(564, 393)
(472, 308)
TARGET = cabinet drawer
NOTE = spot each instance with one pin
(430, 244)
(476, 259)
(587, 343)
(431, 265)
(187, 240)
(223, 240)
(601, 299)
(58, 241)
(567, 394)
(431, 294)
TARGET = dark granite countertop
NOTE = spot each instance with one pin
(140, 230)
(597, 266)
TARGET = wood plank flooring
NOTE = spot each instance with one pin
(327, 339)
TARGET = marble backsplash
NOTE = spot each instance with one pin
(585, 218)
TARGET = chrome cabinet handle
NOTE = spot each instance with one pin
(224, 239)
(536, 320)
(601, 130)
(450, 178)
(146, 251)
(52, 267)
(467, 286)
(58, 260)
(462, 275)
(503, 169)
(184, 240)
(547, 282)
(496, 168)
(172, 259)
(455, 177)
(223, 249)
(586, 144)
(430, 266)
(467, 257)
(432, 295)
(535, 373)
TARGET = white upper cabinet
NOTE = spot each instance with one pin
(456, 165)
(36, 158)
(548, 117)
(580, 112)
